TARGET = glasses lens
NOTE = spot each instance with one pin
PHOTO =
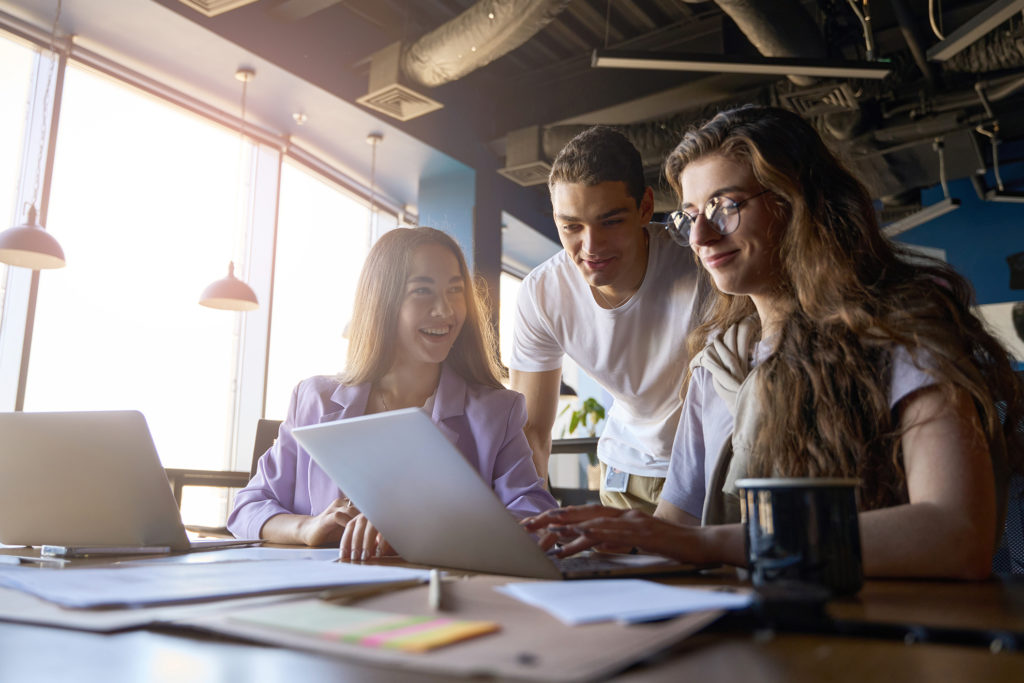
(679, 227)
(724, 214)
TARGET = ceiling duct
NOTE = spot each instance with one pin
(525, 163)
(389, 92)
(530, 151)
(969, 33)
(484, 32)
(777, 28)
(487, 30)
(212, 8)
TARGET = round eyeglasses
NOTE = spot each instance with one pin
(721, 212)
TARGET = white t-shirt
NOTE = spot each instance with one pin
(637, 351)
(706, 423)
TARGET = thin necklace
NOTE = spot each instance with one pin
(607, 302)
(383, 402)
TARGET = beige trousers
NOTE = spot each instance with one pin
(641, 493)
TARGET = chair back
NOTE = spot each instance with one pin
(1009, 557)
(266, 435)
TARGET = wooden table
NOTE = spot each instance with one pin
(719, 653)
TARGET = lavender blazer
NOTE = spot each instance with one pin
(485, 424)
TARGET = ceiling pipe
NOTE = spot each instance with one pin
(777, 28)
(486, 31)
(912, 37)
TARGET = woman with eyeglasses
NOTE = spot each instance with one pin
(833, 353)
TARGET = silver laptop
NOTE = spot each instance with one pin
(87, 480)
(432, 505)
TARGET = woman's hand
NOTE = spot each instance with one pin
(614, 530)
(327, 527)
(555, 526)
(361, 541)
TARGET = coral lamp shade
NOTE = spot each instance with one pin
(229, 294)
(29, 246)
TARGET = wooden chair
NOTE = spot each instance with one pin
(266, 434)
(1009, 556)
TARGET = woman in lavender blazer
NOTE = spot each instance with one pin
(418, 337)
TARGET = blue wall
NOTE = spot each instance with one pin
(978, 236)
(446, 200)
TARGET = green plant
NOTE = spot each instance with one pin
(588, 415)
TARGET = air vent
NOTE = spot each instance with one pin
(535, 173)
(821, 100)
(524, 161)
(212, 8)
(387, 94)
(399, 102)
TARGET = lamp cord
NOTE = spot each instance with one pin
(373, 190)
(241, 187)
(936, 25)
(373, 139)
(47, 104)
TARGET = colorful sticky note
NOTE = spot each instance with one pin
(370, 628)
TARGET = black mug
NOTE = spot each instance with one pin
(802, 530)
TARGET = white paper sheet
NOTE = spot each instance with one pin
(240, 554)
(168, 583)
(626, 600)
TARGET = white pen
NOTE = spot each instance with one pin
(434, 596)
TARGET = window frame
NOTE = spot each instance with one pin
(252, 354)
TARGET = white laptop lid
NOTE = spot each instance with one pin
(84, 478)
(422, 494)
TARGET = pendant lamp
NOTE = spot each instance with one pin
(29, 245)
(230, 293)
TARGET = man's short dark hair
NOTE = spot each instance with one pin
(597, 155)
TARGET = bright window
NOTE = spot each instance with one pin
(144, 205)
(149, 203)
(508, 286)
(15, 79)
(322, 239)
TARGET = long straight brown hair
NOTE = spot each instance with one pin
(853, 296)
(379, 295)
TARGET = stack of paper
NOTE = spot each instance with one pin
(625, 600)
(132, 586)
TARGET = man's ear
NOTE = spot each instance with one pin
(647, 205)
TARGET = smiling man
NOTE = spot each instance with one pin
(619, 300)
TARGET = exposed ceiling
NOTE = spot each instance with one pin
(545, 78)
(887, 127)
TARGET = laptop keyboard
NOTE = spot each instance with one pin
(597, 564)
(582, 563)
